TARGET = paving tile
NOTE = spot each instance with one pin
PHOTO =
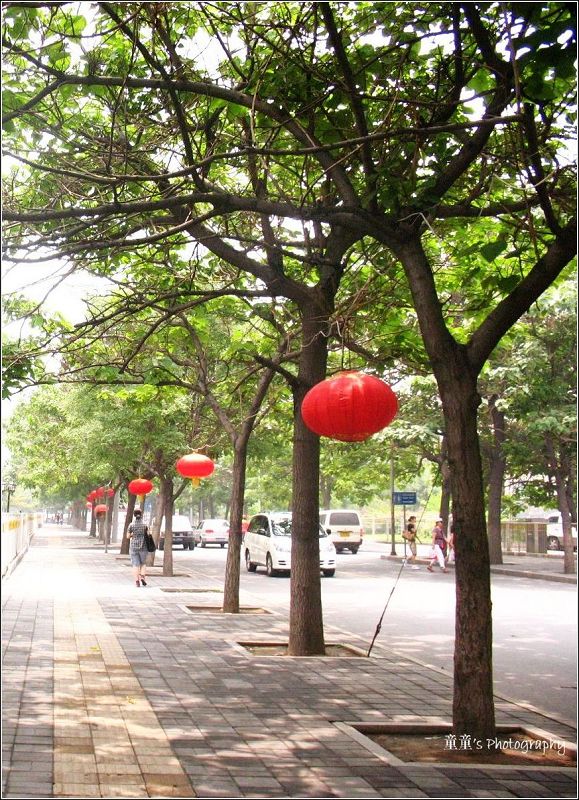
(174, 711)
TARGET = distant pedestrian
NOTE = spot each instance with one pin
(137, 547)
(452, 545)
(439, 543)
(410, 537)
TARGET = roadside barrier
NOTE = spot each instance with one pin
(17, 531)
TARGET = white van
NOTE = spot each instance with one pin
(182, 533)
(344, 527)
(268, 543)
(555, 533)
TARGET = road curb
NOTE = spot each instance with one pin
(500, 570)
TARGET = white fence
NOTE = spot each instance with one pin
(516, 536)
(17, 531)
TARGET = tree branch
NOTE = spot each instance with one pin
(504, 316)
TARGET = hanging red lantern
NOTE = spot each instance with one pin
(109, 492)
(100, 492)
(100, 509)
(91, 496)
(195, 466)
(350, 406)
(140, 487)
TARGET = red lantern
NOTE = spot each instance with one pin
(109, 492)
(100, 492)
(91, 496)
(349, 407)
(195, 466)
(100, 509)
(140, 486)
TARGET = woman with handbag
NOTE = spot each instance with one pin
(410, 536)
(439, 543)
(138, 533)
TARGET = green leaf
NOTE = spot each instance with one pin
(508, 284)
(493, 249)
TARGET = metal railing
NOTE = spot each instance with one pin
(516, 536)
(17, 531)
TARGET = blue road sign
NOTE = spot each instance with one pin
(404, 498)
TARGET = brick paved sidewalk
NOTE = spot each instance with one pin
(110, 691)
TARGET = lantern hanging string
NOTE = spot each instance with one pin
(402, 565)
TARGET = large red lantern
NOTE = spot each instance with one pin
(100, 509)
(100, 492)
(195, 466)
(350, 407)
(140, 487)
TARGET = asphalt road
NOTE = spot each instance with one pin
(534, 622)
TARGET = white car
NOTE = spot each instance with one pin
(268, 543)
(344, 527)
(212, 531)
(182, 532)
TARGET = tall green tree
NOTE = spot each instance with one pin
(433, 130)
(540, 402)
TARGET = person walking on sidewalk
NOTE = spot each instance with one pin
(439, 547)
(452, 545)
(410, 536)
(137, 547)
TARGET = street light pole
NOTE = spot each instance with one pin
(392, 519)
(9, 488)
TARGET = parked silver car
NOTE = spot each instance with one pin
(212, 531)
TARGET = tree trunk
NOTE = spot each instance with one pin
(446, 488)
(326, 485)
(109, 522)
(456, 376)
(79, 515)
(446, 491)
(93, 521)
(232, 567)
(496, 483)
(562, 501)
(155, 528)
(167, 489)
(131, 502)
(306, 635)
(473, 706)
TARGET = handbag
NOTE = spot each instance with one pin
(150, 542)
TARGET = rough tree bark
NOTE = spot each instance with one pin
(496, 481)
(562, 500)
(168, 503)
(131, 502)
(473, 708)
(232, 567)
(306, 624)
